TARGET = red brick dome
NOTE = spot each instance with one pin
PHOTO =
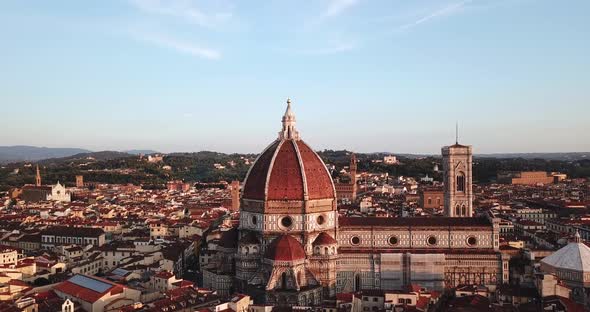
(324, 239)
(288, 170)
(285, 248)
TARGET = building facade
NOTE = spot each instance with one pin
(458, 179)
(292, 248)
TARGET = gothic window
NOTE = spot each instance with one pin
(463, 211)
(326, 251)
(457, 210)
(357, 283)
(461, 182)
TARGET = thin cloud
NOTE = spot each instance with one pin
(446, 11)
(183, 9)
(334, 49)
(179, 46)
(337, 7)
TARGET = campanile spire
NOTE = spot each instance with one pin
(289, 132)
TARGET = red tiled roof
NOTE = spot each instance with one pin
(255, 185)
(324, 239)
(87, 294)
(285, 248)
(281, 170)
(286, 178)
(319, 181)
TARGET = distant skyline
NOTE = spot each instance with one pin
(363, 75)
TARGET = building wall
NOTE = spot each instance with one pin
(432, 199)
(532, 178)
(435, 271)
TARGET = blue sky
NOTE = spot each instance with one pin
(365, 75)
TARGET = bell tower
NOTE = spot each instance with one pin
(458, 177)
(353, 169)
(38, 177)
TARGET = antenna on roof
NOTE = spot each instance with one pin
(457, 132)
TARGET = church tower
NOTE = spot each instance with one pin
(235, 195)
(353, 169)
(457, 167)
(38, 177)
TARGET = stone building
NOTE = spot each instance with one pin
(347, 190)
(294, 250)
(457, 167)
(571, 265)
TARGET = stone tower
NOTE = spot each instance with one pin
(235, 195)
(38, 177)
(79, 181)
(353, 169)
(457, 173)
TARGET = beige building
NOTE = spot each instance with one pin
(458, 176)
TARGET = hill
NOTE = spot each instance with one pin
(32, 153)
(86, 157)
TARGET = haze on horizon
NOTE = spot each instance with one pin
(367, 76)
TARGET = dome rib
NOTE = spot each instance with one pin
(303, 175)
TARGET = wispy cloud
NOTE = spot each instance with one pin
(178, 45)
(184, 9)
(337, 7)
(445, 11)
(333, 49)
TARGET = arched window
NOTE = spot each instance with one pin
(457, 210)
(461, 182)
(326, 252)
(284, 280)
(463, 211)
(357, 283)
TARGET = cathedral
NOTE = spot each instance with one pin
(293, 249)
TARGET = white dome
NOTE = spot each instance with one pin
(575, 256)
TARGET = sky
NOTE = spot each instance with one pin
(363, 75)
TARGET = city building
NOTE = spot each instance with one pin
(294, 249)
(93, 294)
(571, 265)
(432, 198)
(529, 177)
(390, 160)
(457, 167)
(63, 235)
